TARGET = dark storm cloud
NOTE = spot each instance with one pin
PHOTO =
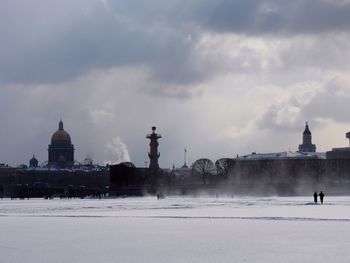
(38, 47)
(244, 16)
(274, 17)
(56, 41)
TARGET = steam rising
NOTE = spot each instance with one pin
(119, 150)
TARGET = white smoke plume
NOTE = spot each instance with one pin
(119, 150)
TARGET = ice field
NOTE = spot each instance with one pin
(175, 229)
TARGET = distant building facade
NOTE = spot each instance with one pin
(61, 149)
(282, 156)
(340, 153)
(307, 145)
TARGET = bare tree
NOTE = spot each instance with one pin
(222, 166)
(203, 168)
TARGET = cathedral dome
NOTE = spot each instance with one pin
(60, 136)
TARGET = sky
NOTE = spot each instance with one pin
(218, 78)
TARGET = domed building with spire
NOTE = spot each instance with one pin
(61, 149)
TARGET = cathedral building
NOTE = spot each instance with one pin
(61, 149)
(307, 145)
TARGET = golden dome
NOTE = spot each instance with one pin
(60, 136)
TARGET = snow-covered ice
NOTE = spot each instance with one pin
(175, 229)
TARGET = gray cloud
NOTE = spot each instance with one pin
(330, 103)
(114, 68)
(274, 16)
(326, 103)
(54, 42)
(38, 49)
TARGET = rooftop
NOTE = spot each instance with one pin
(282, 155)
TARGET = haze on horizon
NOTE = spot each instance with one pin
(220, 78)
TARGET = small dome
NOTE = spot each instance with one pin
(33, 162)
(60, 136)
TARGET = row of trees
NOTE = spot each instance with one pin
(203, 169)
(206, 170)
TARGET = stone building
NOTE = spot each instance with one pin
(61, 149)
(340, 153)
(307, 145)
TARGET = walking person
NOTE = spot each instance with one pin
(321, 197)
(315, 197)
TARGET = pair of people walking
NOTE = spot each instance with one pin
(321, 195)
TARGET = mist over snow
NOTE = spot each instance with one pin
(219, 77)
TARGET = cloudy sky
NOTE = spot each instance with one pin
(220, 78)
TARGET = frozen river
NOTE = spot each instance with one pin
(175, 229)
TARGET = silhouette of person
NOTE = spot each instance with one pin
(315, 197)
(321, 196)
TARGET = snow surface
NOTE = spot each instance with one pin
(175, 229)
